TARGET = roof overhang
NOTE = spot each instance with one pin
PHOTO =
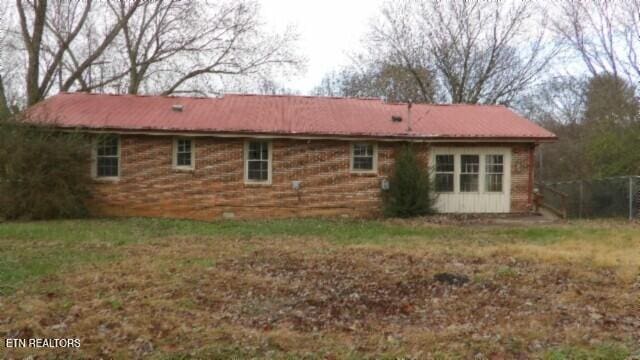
(301, 136)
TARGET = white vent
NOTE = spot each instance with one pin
(177, 108)
(384, 184)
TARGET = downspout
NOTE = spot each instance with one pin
(530, 185)
(409, 116)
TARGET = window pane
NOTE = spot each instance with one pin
(258, 150)
(444, 173)
(494, 164)
(444, 182)
(363, 163)
(362, 156)
(183, 152)
(258, 170)
(254, 165)
(107, 166)
(254, 151)
(444, 163)
(108, 146)
(470, 164)
(468, 182)
(494, 169)
(107, 157)
(258, 161)
(183, 159)
(362, 150)
(469, 168)
(493, 182)
(184, 146)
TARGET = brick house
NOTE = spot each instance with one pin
(257, 156)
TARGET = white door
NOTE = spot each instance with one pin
(472, 179)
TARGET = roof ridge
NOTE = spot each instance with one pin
(305, 96)
(138, 95)
(460, 104)
(221, 96)
(273, 95)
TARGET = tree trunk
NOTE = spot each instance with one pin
(33, 44)
(134, 81)
(76, 75)
(5, 112)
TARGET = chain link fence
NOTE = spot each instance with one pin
(595, 198)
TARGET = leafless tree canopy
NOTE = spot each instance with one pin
(4, 102)
(162, 47)
(173, 43)
(605, 35)
(49, 30)
(483, 51)
(389, 80)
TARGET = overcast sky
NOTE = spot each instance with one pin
(329, 29)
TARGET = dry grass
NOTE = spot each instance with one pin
(536, 292)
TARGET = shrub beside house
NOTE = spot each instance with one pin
(43, 172)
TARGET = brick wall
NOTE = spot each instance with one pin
(520, 182)
(149, 186)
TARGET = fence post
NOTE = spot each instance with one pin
(631, 198)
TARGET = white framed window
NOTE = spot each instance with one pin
(494, 173)
(469, 173)
(257, 164)
(470, 179)
(470, 170)
(184, 154)
(106, 154)
(364, 157)
(444, 177)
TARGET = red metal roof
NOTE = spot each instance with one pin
(284, 115)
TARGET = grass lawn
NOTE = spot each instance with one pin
(321, 289)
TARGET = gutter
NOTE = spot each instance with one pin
(307, 136)
(530, 184)
(409, 116)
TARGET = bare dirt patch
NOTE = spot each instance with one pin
(187, 294)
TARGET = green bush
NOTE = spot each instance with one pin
(44, 173)
(410, 189)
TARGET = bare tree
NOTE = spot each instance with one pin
(33, 40)
(170, 44)
(558, 104)
(159, 31)
(558, 100)
(236, 44)
(588, 27)
(395, 83)
(483, 51)
(12, 62)
(632, 36)
(82, 65)
(4, 103)
(402, 44)
(164, 46)
(48, 29)
(604, 34)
